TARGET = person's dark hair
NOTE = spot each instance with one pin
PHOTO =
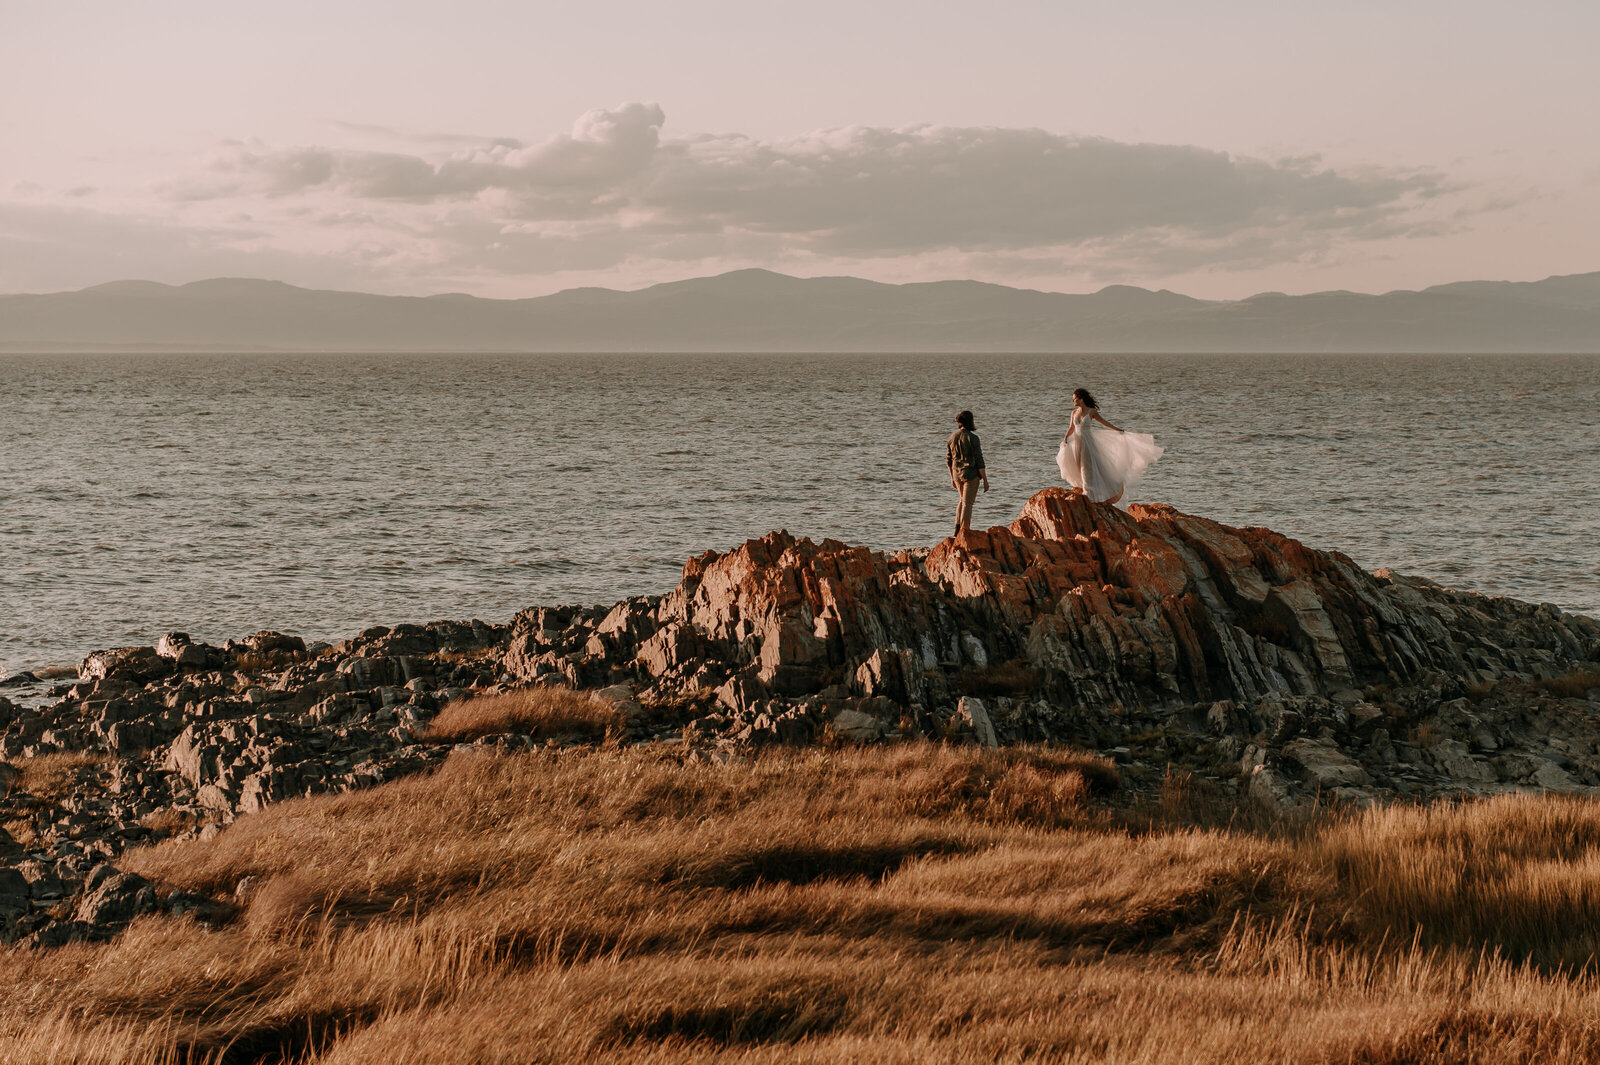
(1088, 400)
(964, 419)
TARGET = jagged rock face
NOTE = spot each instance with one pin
(798, 615)
(1150, 606)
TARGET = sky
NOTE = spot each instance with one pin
(515, 149)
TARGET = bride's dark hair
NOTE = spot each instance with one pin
(1088, 400)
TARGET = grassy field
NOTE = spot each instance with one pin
(910, 903)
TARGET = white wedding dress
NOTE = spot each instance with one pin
(1108, 465)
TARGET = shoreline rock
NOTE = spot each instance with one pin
(1238, 657)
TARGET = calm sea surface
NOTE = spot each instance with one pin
(322, 494)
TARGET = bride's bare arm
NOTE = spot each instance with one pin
(1102, 421)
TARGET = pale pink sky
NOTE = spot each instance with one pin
(512, 149)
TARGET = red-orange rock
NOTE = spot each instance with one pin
(1147, 606)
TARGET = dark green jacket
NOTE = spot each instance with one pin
(964, 455)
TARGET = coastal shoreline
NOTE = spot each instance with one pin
(1275, 674)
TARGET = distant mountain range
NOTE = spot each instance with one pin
(757, 310)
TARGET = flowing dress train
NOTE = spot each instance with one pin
(1106, 464)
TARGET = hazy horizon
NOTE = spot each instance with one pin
(506, 151)
(643, 285)
(758, 310)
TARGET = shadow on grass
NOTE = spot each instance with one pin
(807, 864)
(779, 1015)
(279, 1042)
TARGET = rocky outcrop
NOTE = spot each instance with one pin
(1239, 657)
(1150, 607)
(1233, 651)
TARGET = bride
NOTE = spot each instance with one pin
(1105, 466)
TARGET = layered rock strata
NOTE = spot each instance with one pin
(1218, 649)
(1237, 657)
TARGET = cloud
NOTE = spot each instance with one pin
(866, 190)
(615, 193)
(854, 191)
(603, 149)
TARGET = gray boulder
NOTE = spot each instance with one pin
(1324, 765)
(44, 882)
(623, 698)
(972, 713)
(134, 664)
(856, 727)
(1269, 788)
(267, 642)
(372, 672)
(183, 653)
(112, 898)
(194, 756)
(1453, 759)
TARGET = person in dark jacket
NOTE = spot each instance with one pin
(963, 454)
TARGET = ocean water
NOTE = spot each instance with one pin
(222, 494)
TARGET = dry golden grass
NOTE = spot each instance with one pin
(21, 831)
(171, 820)
(1521, 875)
(1571, 686)
(538, 712)
(902, 904)
(52, 776)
